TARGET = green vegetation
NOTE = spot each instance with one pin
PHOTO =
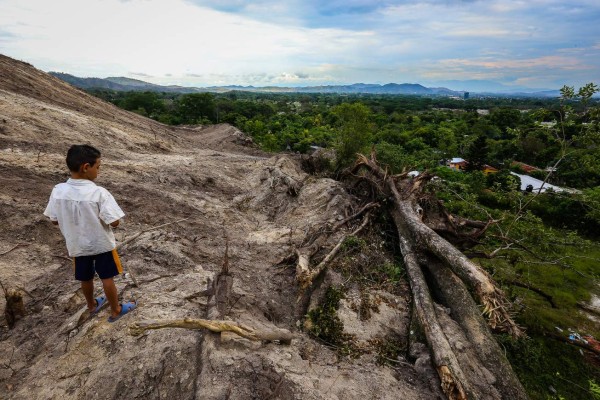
(550, 369)
(543, 248)
(326, 325)
(408, 131)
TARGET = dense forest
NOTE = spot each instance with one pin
(541, 247)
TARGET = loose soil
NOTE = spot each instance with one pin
(229, 191)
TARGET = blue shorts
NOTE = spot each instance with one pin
(107, 265)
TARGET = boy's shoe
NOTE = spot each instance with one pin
(99, 303)
(125, 308)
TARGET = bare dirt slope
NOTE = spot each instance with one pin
(227, 190)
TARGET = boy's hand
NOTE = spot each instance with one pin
(114, 224)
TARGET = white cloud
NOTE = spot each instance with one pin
(158, 37)
(205, 42)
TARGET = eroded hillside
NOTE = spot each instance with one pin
(227, 192)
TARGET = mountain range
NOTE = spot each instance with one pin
(129, 84)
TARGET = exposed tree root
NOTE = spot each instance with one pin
(14, 309)
(276, 335)
(305, 276)
(364, 209)
(153, 228)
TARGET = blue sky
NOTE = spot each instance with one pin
(515, 43)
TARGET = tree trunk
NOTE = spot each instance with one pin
(466, 355)
(454, 382)
(454, 294)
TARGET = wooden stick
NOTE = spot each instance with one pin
(14, 247)
(281, 335)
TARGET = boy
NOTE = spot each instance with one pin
(86, 214)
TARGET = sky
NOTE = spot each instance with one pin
(459, 44)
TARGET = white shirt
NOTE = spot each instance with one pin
(84, 211)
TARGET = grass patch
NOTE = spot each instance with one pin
(324, 323)
(550, 369)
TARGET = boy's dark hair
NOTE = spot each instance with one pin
(80, 154)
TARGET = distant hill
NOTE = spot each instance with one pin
(485, 88)
(120, 84)
(128, 84)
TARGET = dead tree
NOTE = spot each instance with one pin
(477, 369)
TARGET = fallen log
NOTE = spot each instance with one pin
(495, 305)
(454, 382)
(479, 370)
(275, 335)
(455, 295)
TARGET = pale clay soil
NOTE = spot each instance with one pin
(228, 190)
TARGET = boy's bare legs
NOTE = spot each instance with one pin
(110, 290)
(87, 287)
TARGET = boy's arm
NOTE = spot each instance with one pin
(50, 211)
(110, 212)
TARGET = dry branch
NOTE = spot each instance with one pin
(305, 276)
(137, 235)
(367, 207)
(533, 289)
(280, 335)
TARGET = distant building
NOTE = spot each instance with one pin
(488, 169)
(457, 163)
(536, 184)
(466, 95)
(460, 164)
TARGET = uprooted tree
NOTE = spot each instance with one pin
(428, 240)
